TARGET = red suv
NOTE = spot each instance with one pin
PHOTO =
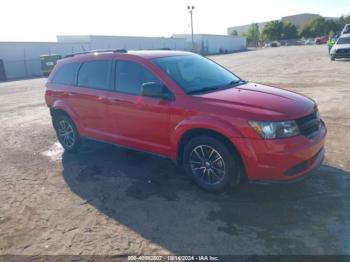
(183, 106)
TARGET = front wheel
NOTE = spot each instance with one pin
(332, 58)
(211, 164)
(67, 133)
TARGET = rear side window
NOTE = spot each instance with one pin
(131, 75)
(96, 74)
(66, 74)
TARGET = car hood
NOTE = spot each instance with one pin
(262, 100)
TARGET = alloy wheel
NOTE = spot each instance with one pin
(207, 164)
(66, 133)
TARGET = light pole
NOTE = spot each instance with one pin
(190, 10)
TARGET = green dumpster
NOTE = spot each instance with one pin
(48, 62)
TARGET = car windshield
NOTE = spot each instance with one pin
(196, 74)
(343, 41)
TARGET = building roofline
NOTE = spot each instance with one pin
(44, 42)
(132, 36)
(206, 35)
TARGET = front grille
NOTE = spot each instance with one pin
(309, 125)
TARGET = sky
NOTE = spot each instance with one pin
(42, 20)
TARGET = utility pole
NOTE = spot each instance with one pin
(190, 10)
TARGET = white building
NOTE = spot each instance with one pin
(127, 42)
(215, 44)
(22, 59)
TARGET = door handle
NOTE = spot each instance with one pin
(102, 98)
(72, 93)
(115, 100)
(119, 101)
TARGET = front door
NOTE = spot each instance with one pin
(138, 122)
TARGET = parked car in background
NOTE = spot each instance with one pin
(299, 42)
(346, 29)
(321, 40)
(48, 62)
(185, 107)
(273, 44)
(341, 48)
(309, 41)
(290, 42)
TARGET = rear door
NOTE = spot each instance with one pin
(94, 85)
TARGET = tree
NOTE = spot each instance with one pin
(305, 31)
(273, 30)
(253, 34)
(234, 33)
(319, 27)
(290, 31)
(343, 20)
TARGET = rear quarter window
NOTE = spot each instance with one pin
(66, 74)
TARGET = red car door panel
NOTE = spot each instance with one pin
(91, 101)
(139, 122)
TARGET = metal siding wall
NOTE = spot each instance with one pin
(211, 44)
(137, 43)
(23, 59)
(229, 44)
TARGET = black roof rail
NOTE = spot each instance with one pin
(98, 51)
(120, 50)
(74, 54)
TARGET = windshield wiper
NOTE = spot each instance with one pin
(203, 90)
(210, 89)
(236, 83)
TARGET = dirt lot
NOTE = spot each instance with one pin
(115, 201)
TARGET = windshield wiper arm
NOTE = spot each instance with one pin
(236, 82)
(209, 89)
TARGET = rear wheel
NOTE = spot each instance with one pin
(211, 164)
(67, 133)
(332, 58)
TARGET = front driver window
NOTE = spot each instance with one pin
(130, 76)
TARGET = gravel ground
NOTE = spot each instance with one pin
(111, 201)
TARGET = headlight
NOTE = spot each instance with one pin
(271, 130)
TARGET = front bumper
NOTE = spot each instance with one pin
(281, 159)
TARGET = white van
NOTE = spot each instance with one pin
(341, 48)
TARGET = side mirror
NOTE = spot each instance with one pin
(152, 89)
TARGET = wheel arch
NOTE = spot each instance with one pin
(62, 108)
(191, 133)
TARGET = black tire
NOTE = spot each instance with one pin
(66, 132)
(206, 172)
(332, 58)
